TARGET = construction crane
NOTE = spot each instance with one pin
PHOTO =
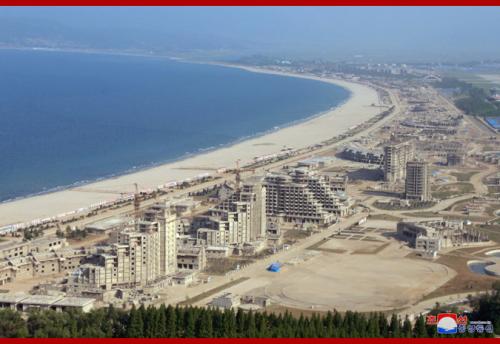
(137, 202)
(238, 174)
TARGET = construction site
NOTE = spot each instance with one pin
(398, 211)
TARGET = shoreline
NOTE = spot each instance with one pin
(297, 134)
(188, 155)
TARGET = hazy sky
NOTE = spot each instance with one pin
(448, 32)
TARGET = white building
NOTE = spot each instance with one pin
(395, 158)
(302, 196)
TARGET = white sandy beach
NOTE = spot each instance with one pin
(355, 111)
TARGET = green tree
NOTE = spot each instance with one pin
(189, 322)
(407, 330)
(136, 324)
(161, 330)
(395, 326)
(204, 325)
(12, 325)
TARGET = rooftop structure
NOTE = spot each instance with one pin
(106, 225)
(24, 302)
(226, 301)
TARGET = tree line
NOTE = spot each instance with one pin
(470, 99)
(197, 322)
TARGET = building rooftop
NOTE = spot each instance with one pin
(11, 244)
(108, 224)
(12, 297)
(74, 302)
(41, 299)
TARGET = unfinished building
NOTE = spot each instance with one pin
(191, 258)
(417, 185)
(240, 218)
(361, 154)
(431, 236)
(300, 196)
(395, 158)
(141, 255)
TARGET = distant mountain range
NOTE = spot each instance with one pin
(19, 32)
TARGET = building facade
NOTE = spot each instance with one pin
(395, 158)
(417, 185)
(302, 196)
(142, 254)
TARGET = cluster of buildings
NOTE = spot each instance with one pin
(361, 154)
(430, 236)
(37, 258)
(168, 243)
(239, 217)
(491, 157)
(401, 165)
(250, 215)
(140, 255)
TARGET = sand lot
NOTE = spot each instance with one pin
(356, 282)
(349, 281)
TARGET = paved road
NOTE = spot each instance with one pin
(425, 306)
(398, 109)
(436, 208)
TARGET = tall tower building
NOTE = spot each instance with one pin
(417, 185)
(167, 229)
(395, 158)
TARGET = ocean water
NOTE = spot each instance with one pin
(69, 118)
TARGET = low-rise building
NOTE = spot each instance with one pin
(25, 302)
(191, 258)
(217, 252)
(226, 301)
(433, 235)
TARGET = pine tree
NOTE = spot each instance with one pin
(189, 322)
(395, 326)
(240, 323)
(407, 330)
(179, 330)
(135, 325)
(262, 326)
(204, 325)
(372, 330)
(161, 329)
(383, 325)
(251, 329)
(150, 322)
(230, 327)
(420, 330)
(170, 322)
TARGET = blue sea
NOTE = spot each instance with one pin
(70, 118)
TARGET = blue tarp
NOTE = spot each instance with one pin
(274, 267)
(494, 122)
